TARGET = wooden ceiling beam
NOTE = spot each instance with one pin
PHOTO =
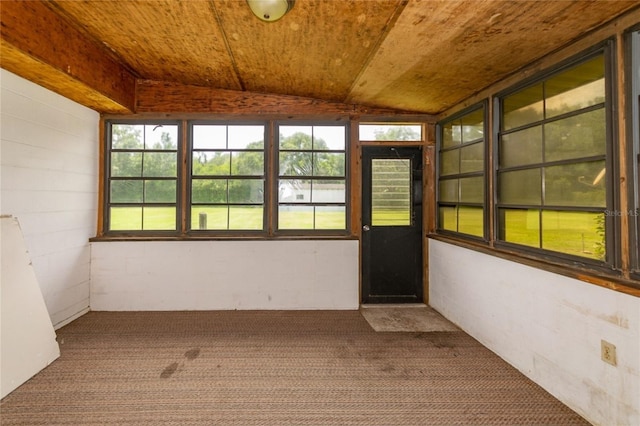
(39, 45)
(173, 98)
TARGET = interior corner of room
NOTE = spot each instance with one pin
(481, 159)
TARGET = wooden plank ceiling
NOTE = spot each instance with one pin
(423, 56)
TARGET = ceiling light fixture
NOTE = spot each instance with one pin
(270, 10)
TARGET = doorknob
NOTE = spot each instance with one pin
(365, 228)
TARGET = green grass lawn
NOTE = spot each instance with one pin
(575, 233)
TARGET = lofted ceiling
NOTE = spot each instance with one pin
(420, 56)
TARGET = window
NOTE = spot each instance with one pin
(227, 177)
(142, 192)
(312, 185)
(461, 172)
(391, 132)
(552, 163)
(236, 180)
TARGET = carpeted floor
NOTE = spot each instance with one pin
(273, 368)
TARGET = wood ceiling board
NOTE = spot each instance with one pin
(37, 42)
(464, 46)
(316, 50)
(161, 39)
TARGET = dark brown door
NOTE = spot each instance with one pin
(392, 266)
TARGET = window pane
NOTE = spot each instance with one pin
(390, 132)
(328, 191)
(472, 190)
(126, 164)
(520, 226)
(331, 217)
(246, 217)
(520, 148)
(390, 192)
(246, 137)
(328, 164)
(210, 217)
(127, 136)
(159, 191)
(523, 107)
(160, 164)
(471, 220)
(159, 218)
(249, 163)
(209, 137)
(450, 162)
(579, 136)
(451, 134)
(520, 187)
(473, 126)
(448, 190)
(125, 218)
(576, 233)
(246, 191)
(577, 88)
(295, 164)
(295, 137)
(295, 217)
(472, 158)
(209, 191)
(161, 136)
(581, 184)
(211, 163)
(294, 191)
(447, 218)
(329, 137)
(126, 191)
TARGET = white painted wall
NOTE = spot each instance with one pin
(546, 325)
(49, 181)
(27, 339)
(203, 275)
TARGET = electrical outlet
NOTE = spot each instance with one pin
(608, 352)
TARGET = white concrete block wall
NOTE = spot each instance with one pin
(546, 325)
(203, 275)
(49, 182)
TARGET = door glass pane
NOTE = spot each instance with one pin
(390, 192)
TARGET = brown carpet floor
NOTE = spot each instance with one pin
(273, 368)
